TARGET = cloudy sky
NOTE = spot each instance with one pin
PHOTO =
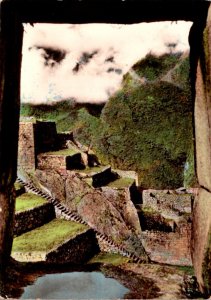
(87, 62)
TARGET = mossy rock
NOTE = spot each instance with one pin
(147, 129)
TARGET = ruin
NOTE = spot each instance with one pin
(15, 12)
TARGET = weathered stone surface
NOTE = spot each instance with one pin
(202, 108)
(201, 241)
(165, 218)
(171, 248)
(59, 161)
(165, 210)
(98, 210)
(201, 249)
(64, 185)
(121, 200)
(110, 212)
(52, 180)
(26, 150)
(202, 132)
(35, 137)
(167, 201)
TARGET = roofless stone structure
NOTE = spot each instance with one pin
(15, 12)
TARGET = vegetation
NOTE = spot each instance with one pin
(64, 113)
(47, 237)
(147, 129)
(121, 183)
(28, 201)
(18, 186)
(153, 67)
(64, 152)
(109, 258)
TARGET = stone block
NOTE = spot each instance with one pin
(26, 146)
(59, 160)
(202, 133)
(201, 240)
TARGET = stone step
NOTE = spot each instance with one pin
(31, 211)
(127, 184)
(59, 241)
(66, 159)
(122, 183)
(97, 176)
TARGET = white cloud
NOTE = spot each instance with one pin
(92, 83)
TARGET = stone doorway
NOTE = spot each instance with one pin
(14, 12)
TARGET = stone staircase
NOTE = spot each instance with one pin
(41, 237)
(74, 160)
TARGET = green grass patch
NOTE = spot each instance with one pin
(18, 186)
(186, 269)
(121, 183)
(48, 236)
(28, 201)
(64, 152)
(91, 171)
(109, 258)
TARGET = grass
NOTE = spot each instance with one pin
(28, 201)
(18, 186)
(93, 170)
(186, 269)
(109, 258)
(64, 152)
(47, 237)
(121, 183)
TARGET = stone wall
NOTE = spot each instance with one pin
(33, 218)
(166, 221)
(77, 251)
(169, 247)
(201, 235)
(26, 146)
(34, 138)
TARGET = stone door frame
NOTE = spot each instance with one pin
(15, 12)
